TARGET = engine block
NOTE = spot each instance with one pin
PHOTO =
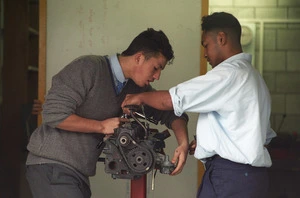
(134, 150)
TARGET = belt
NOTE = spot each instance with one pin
(212, 157)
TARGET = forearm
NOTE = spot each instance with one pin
(79, 124)
(157, 99)
(179, 126)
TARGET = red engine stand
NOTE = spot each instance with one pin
(138, 188)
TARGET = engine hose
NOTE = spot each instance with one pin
(139, 122)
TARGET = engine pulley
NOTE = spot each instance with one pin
(140, 160)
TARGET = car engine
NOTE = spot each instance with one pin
(134, 149)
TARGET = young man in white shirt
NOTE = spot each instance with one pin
(234, 108)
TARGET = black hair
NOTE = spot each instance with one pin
(151, 42)
(222, 21)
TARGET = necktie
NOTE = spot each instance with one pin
(119, 86)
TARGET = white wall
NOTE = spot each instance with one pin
(76, 27)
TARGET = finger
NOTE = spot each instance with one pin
(126, 111)
(176, 171)
(124, 103)
(178, 168)
(109, 133)
(192, 149)
(106, 137)
(124, 120)
(175, 156)
(176, 160)
(192, 143)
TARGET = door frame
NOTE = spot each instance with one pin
(42, 53)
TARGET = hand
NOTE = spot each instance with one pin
(36, 107)
(179, 158)
(131, 99)
(110, 124)
(192, 147)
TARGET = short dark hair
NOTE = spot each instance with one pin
(151, 43)
(222, 21)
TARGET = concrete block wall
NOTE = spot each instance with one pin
(281, 54)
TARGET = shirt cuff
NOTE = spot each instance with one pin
(176, 101)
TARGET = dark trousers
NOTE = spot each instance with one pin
(227, 179)
(56, 181)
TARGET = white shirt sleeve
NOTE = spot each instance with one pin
(203, 93)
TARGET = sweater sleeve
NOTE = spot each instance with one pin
(68, 91)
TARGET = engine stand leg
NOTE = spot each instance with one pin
(139, 187)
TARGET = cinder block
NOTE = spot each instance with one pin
(238, 12)
(293, 63)
(269, 39)
(294, 13)
(256, 3)
(269, 78)
(293, 104)
(274, 61)
(288, 2)
(279, 123)
(294, 26)
(272, 121)
(278, 103)
(271, 13)
(290, 124)
(220, 3)
(276, 26)
(287, 39)
(288, 82)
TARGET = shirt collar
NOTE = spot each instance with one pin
(246, 56)
(116, 68)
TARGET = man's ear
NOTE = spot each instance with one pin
(139, 58)
(222, 38)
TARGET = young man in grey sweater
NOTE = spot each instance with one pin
(83, 105)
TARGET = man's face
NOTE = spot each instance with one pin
(149, 70)
(212, 49)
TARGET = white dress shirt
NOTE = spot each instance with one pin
(234, 105)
